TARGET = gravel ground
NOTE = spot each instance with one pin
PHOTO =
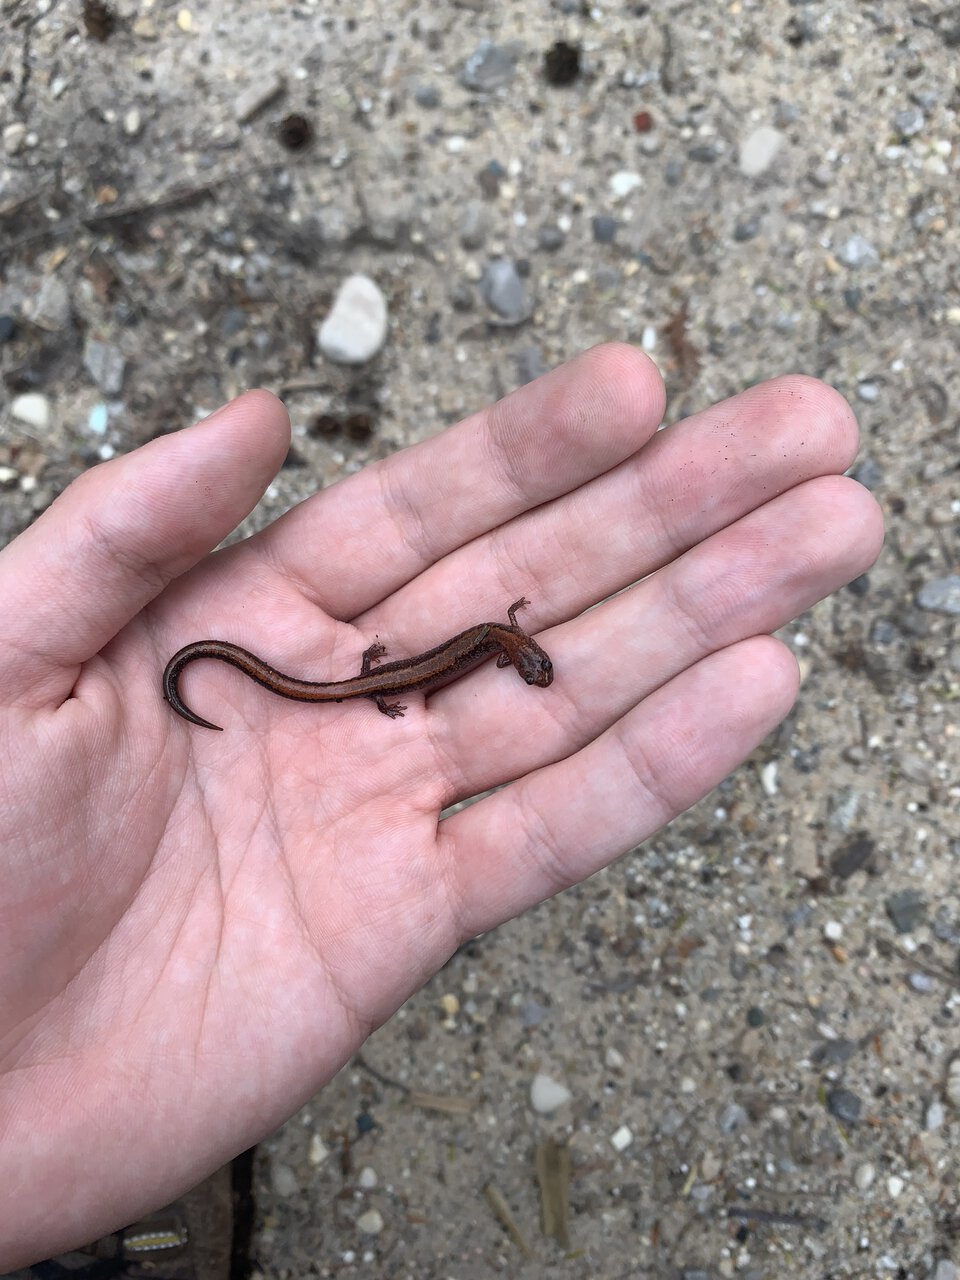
(740, 1035)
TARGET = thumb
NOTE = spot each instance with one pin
(115, 537)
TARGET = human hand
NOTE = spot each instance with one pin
(197, 929)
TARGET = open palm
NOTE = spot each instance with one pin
(197, 929)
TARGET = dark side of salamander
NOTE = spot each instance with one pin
(421, 674)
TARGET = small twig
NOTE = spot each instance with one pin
(776, 1218)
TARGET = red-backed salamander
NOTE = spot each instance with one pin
(427, 671)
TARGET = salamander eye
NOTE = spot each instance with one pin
(546, 665)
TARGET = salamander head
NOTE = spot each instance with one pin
(533, 664)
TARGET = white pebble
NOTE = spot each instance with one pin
(864, 1175)
(623, 182)
(370, 1223)
(33, 409)
(622, 1138)
(356, 327)
(952, 1088)
(613, 1058)
(367, 1178)
(833, 931)
(547, 1094)
(319, 1151)
(769, 778)
(895, 1186)
(935, 1115)
(759, 150)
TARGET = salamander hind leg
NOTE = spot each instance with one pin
(391, 709)
(373, 654)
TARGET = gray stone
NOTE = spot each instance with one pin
(473, 224)
(550, 238)
(356, 327)
(256, 96)
(732, 1117)
(105, 365)
(907, 910)
(604, 228)
(425, 95)
(859, 252)
(503, 291)
(489, 67)
(845, 1105)
(51, 307)
(909, 121)
(941, 595)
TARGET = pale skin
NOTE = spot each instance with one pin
(198, 929)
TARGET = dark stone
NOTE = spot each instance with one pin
(844, 1105)
(907, 910)
(604, 228)
(756, 1017)
(853, 854)
(8, 327)
(859, 586)
(550, 238)
(746, 230)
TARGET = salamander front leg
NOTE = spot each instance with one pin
(373, 654)
(522, 603)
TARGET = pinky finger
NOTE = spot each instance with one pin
(562, 823)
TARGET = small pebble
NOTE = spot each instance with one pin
(370, 1223)
(864, 1175)
(97, 419)
(868, 392)
(318, 1150)
(425, 95)
(909, 121)
(356, 327)
(833, 931)
(622, 1138)
(284, 1180)
(32, 409)
(732, 1117)
(613, 1058)
(935, 1116)
(547, 1094)
(8, 328)
(623, 182)
(769, 778)
(51, 307)
(105, 365)
(550, 238)
(604, 228)
(489, 67)
(895, 1186)
(941, 595)
(907, 910)
(450, 1004)
(759, 150)
(14, 136)
(922, 982)
(845, 1105)
(951, 1090)
(859, 252)
(503, 290)
(367, 1178)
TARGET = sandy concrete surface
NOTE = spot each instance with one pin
(748, 1024)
